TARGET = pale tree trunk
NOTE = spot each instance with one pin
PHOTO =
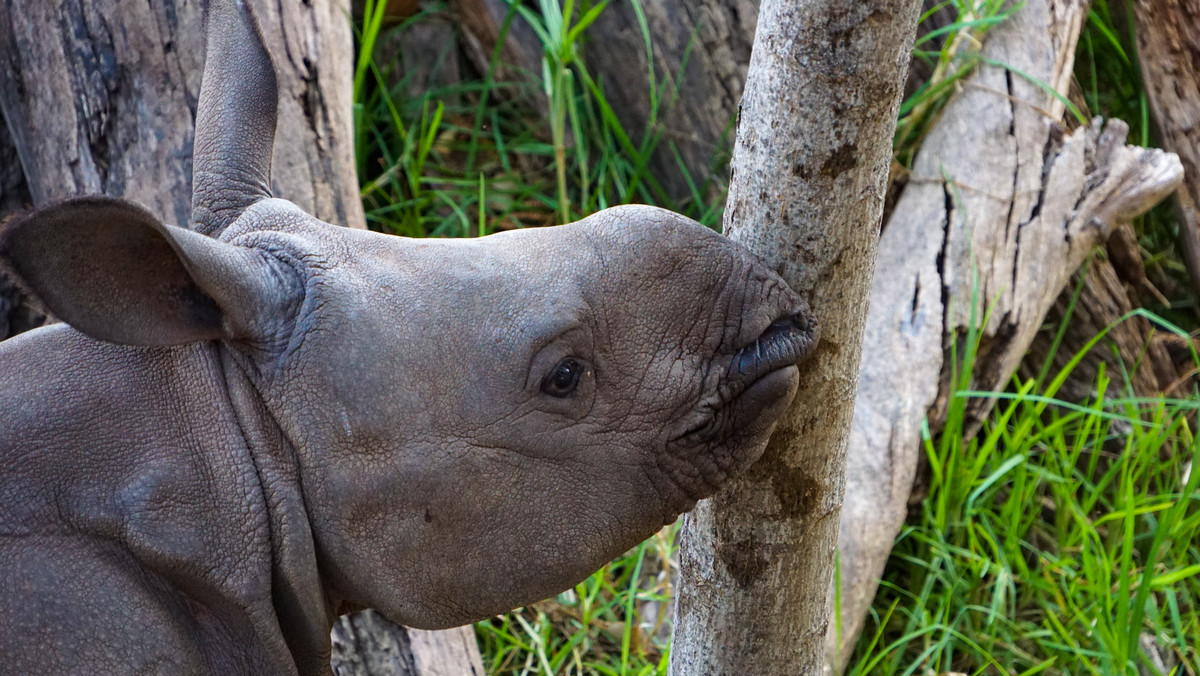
(99, 97)
(810, 168)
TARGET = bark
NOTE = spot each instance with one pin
(1006, 224)
(100, 97)
(700, 53)
(1132, 352)
(810, 167)
(1168, 35)
(109, 107)
(367, 644)
(699, 58)
(16, 313)
(521, 53)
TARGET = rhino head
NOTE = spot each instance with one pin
(473, 424)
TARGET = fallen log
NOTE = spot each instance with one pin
(1002, 208)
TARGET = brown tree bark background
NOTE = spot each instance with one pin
(701, 50)
(1168, 36)
(99, 97)
(810, 169)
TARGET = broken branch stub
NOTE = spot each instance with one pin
(1002, 209)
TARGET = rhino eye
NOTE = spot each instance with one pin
(563, 379)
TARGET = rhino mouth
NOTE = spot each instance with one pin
(730, 428)
(786, 342)
(757, 377)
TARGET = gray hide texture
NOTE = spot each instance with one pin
(247, 427)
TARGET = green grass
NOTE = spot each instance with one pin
(422, 161)
(612, 623)
(1050, 542)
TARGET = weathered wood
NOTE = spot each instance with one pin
(367, 644)
(1132, 351)
(100, 97)
(424, 55)
(482, 21)
(1006, 224)
(1168, 36)
(16, 314)
(109, 107)
(709, 39)
(810, 166)
(700, 53)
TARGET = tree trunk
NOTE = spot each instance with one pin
(16, 313)
(1168, 35)
(100, 98)
(810, 167)
(367, 644)
(1002, 227)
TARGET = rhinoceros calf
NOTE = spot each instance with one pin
(245, 428)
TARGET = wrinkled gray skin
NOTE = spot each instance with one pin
(250, 426)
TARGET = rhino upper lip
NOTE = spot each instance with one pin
(786, 342)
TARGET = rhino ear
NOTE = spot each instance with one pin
(110, 269)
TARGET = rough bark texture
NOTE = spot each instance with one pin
(100, 98)
(1007, 223)
(1110, 284)
(370, 645)
(16, 314)
(1168, 34)
(809, 172)
(521, 54)
(700, 53)
(109, 106)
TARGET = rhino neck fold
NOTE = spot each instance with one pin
(304, 611)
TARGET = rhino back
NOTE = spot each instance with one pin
(127, 492)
